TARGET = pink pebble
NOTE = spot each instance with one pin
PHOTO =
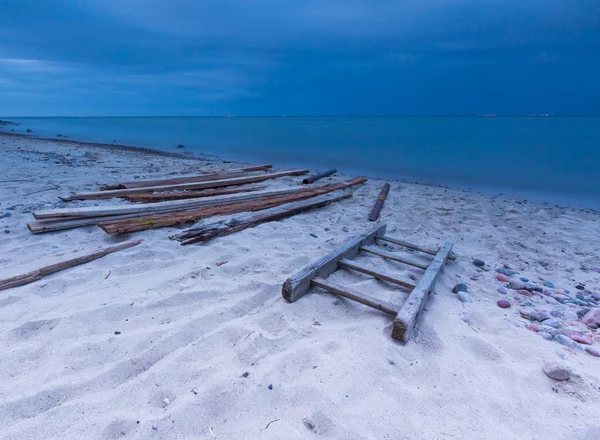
(592, 317)
(503, 304)
(578, 337)
(502, 277)
(532, 327)
(593, 351)
(524, 292)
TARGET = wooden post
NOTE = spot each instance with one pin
(414, 304)
(297, 285)
(379, 203)
(35, 275)
(316, 177)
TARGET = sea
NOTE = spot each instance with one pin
(544, 158)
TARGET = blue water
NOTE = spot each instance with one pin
(549, 158)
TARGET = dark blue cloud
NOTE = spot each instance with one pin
(188, 57)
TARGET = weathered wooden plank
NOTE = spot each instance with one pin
(379, 203)
(297, 285)
(244, 221)
(316, 177)
(96, 195)
(42, 226)
(390, 256)
(151, 197)
(349, 293)
(416, 247)
(35, 275)
(412, 307)
(401, 281)
(187, 179)
(150, 208)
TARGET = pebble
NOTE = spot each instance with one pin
(461, 287)
(503, 304)
(557, 314)
(560, 298)
(270, 386)
(581, 338)
(568, 342)
(596, 296)
(532, 327)
(554, 323)
(501, 290)
(540, 315)
(580, 296)
(538, 289)
(336, 303)
(524, 279)
(313, 235)
(464, 297)
(547, 336)
(579, 287)
(6, 231)
(524, 292)
(479, 263)
(391, 362)
(593, 351)
(592, 317)
(557, 370)
(505, 271)
(549, 284)
(517, 284)
(527, 315)
(503, 278)
(7, 214)
(529, 286)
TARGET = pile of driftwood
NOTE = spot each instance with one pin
(173, 202)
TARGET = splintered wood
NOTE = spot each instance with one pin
(405, 317)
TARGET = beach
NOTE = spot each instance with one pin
(168, 341)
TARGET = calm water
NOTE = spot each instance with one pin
(555, 159)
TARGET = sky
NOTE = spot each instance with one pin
(298, 57)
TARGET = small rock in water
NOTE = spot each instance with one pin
(464, 297)
(517, 284)
(549, 284)
(503, 304)
(568, 342)
(505, 271)
(558, 370)
(479, 263)
(461, 287)
(502, 277)
(501, 290)
(593, 351)
(547, 336)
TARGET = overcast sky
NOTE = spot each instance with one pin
(298, 57)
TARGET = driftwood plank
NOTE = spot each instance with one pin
(316, 177)
(297, 285)
(149, 208)
(35, 275)
(95, 195)
(244, 221)
(151, 197)
(414, 304)
(188, 179)
(416, 247)
(379, 203)
(171, 219)
(401, 281)
(346, 292)
(390, 256)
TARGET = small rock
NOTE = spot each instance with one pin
(345, 229)
(524, 292)
(527, 315)
(166, 401)
(596, 296)
(7, 214)
(505, 271)
(579, 287)
(532, 327)
(503, 278)
(540, 315)
(270, 386)
(538, 289)
(593, 351)
(549, 284)
(524, 279)
(501, 290)
(568, 342)
(391, 362)
(313, 235)
(246, 374)
(529, 286)
(6, 231)
(580, 296)
(554, 323)
(180, 146)
(517, 284)
(464, 297)
(557, 370)
(336, 303)
(117, 332)
(581, 338)
(310, 425)
(592, 317)
(543, 263)
(503, 304)
(461, 287)
(547, 336)
(557, 314)
(479, 263)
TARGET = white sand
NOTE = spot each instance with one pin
(190, 329)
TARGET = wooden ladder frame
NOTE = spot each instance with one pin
(316, 273)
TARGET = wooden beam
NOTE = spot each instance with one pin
(187, 179)
(297, 285)
(248, 220)
(376, 251)
(347, 292)
(172, 219)
(35, 275)
(150, 208)
(404, 282)
(416, 247)
(412, 307)
(316, 177)
(379, 203)
(96, 195)
(151, 197)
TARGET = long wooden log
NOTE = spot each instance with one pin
(96, 195)
(162, 220)
(347, 292)
(298, 285)
(416, 247)
(379, 203)
(414, 304)
(35, 275)
(316, 177)
(394, 279)
(394, 257)
(151, 208)
(151, 197)
(187, 179)
(248, 220)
